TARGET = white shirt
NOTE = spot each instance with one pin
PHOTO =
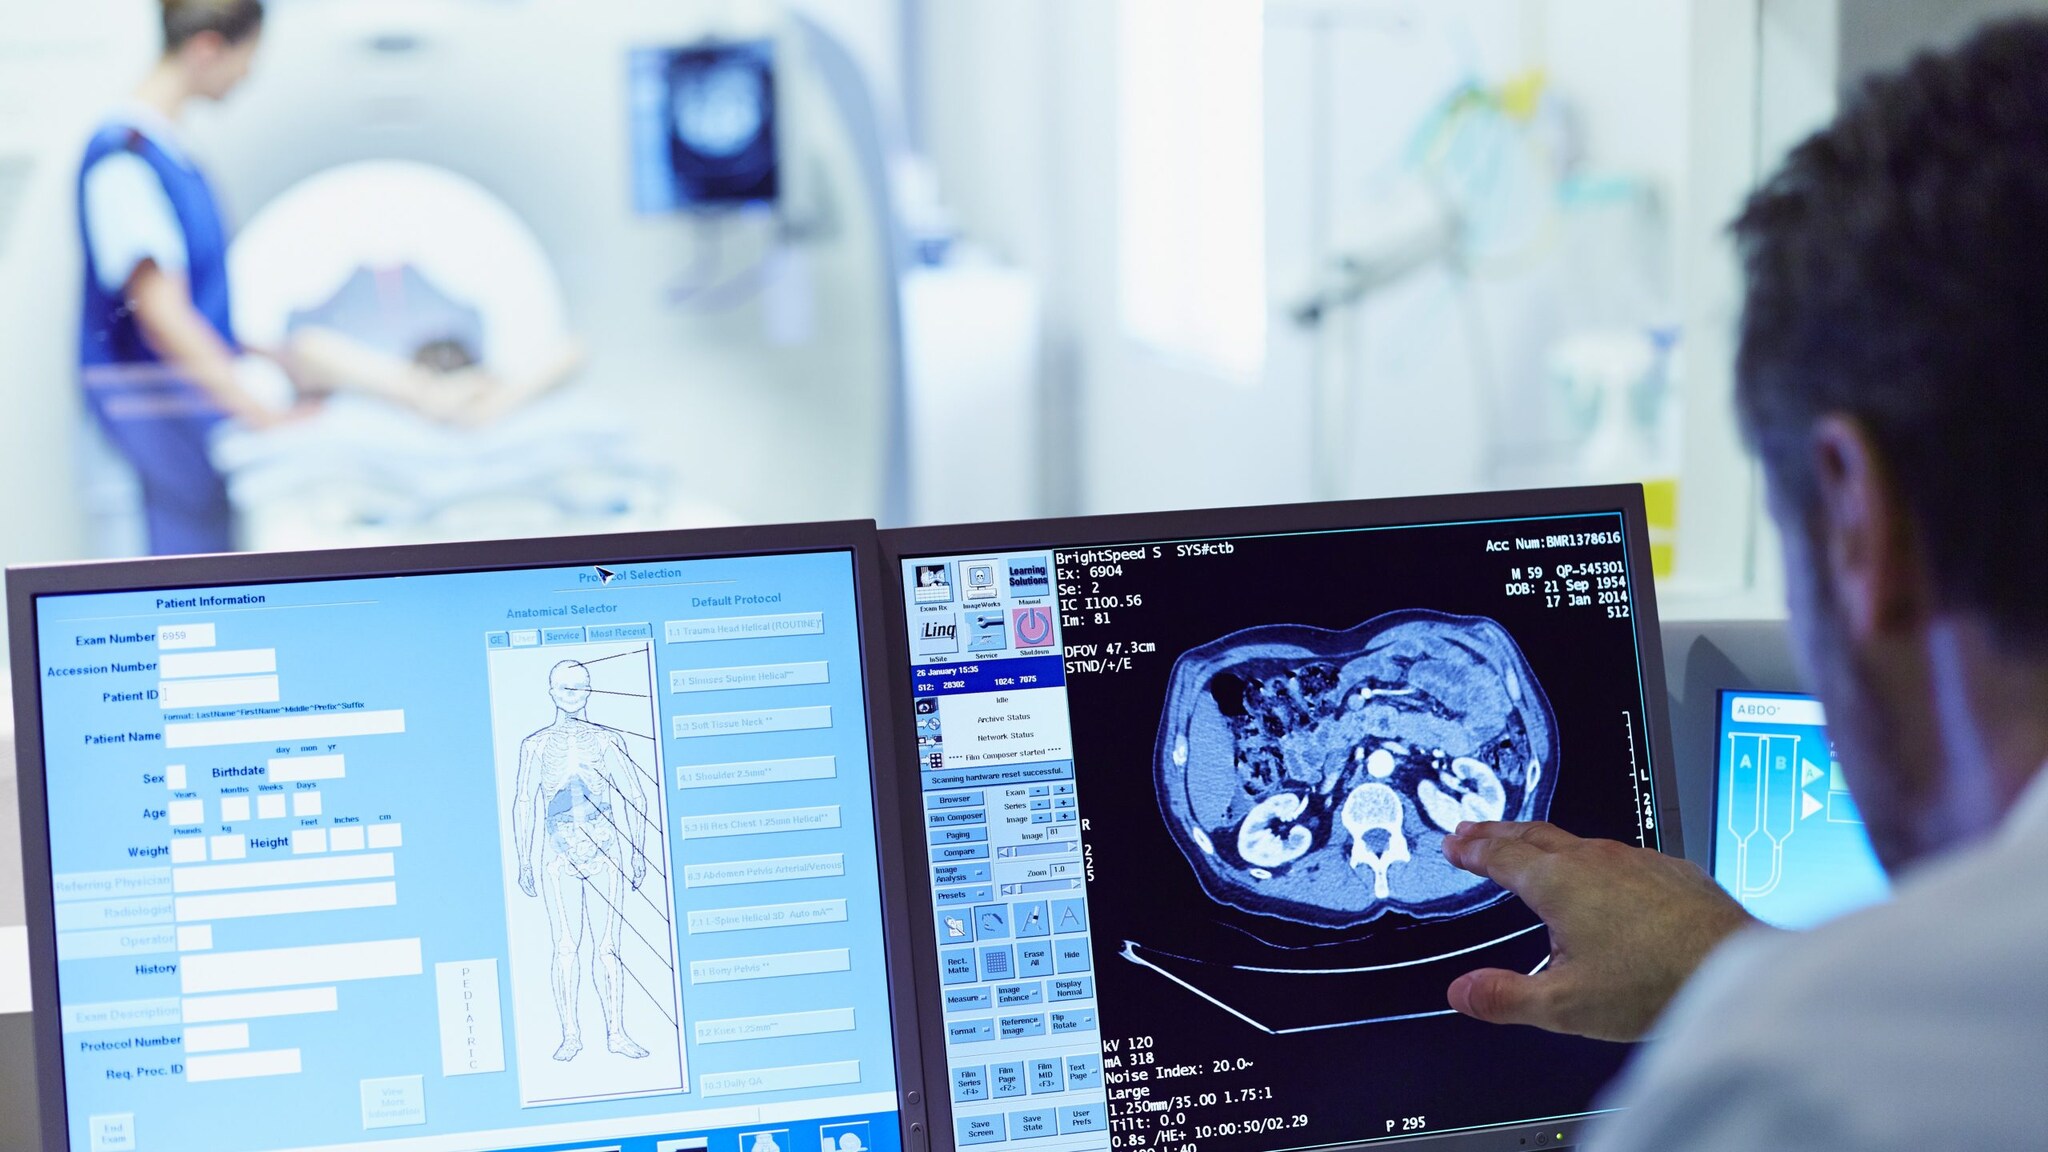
(128, 215)
(1921, 1023)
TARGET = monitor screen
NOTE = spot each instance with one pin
(576, 856)
(1788, 841)
(1184, 797)
(703, 126)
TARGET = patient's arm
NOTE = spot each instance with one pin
(517, 389)
(178, 334)
(323, 360)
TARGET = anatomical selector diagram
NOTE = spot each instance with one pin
(589, 908)
(1309, 776)
(581, 797)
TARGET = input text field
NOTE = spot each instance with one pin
(286, 901)
(226, 662)
(260, 1005)
(216, 1038)
(170, 637)
(215, 693)
(1777, 710)
(279, 873)
(293, 769)
(242, 1065)
(284, 729)
(312, 964)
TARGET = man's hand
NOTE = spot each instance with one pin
(1628, 926)
(526, 881)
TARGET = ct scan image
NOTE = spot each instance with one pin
(1310, 775)
(1267, 781)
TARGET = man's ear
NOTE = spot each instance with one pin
(1863, 536)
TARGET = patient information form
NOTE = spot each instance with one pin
(515, 859)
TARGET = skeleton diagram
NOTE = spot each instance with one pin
(581, 790)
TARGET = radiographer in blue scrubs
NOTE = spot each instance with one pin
(158, 359)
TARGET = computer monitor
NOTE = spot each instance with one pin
(531, 845)
(1185, 781)
(1788, 841)
(704, 126)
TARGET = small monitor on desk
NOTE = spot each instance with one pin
(1185, 782)
(535, 845)
(1788, 840)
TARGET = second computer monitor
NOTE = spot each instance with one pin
(1789, 842)
(1185, 781)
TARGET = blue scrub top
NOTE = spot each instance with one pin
(155, 417)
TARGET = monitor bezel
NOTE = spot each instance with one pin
(903, 544)
(27, 584)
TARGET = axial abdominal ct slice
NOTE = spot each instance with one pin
(1310, 775)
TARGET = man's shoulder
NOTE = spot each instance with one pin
(1958, 936)
(1917, 1017)
(1951, 931)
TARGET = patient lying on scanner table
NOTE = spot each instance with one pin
(393, 335)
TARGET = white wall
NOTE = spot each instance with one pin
(1021, 126)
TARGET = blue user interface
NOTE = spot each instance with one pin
(525, 859)
(1788, 841)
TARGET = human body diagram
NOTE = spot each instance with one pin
(590, 921)
(579, 795)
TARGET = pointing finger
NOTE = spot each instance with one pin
(1498, 996)
(1512, 864)
(1542, 833)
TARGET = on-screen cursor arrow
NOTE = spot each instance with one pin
(604, 575)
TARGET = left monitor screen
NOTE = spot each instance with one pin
(490, 860)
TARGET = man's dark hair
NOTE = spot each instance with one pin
(1897, 274)
(232, 20)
